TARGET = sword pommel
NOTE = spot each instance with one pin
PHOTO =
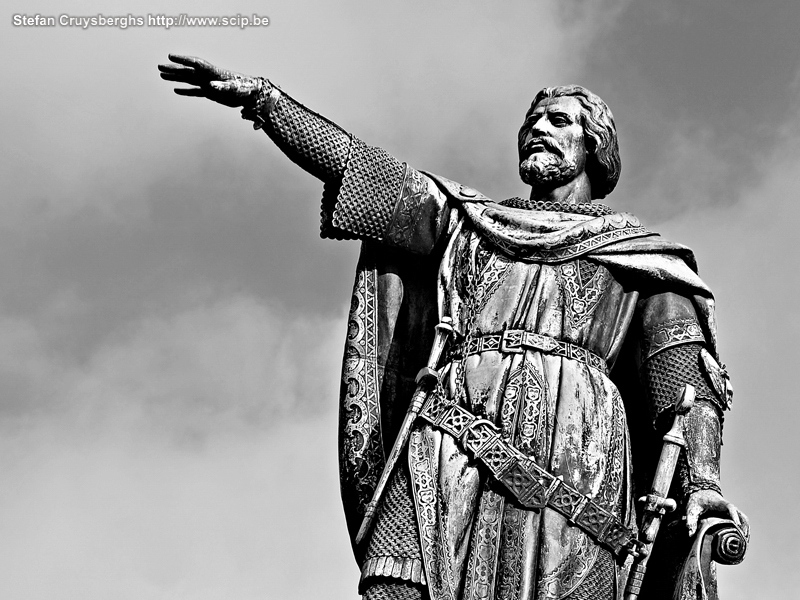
(685, 400)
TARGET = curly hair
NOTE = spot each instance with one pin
(603, 164)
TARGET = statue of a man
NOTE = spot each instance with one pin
(574, 329)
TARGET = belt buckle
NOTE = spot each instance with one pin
(511, 342)
(543, 342)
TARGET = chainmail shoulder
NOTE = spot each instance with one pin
(583, 208)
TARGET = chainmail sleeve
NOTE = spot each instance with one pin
(368, 194)
(310, 140)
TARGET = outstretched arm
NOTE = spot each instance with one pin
(368, 193)
(307, 138)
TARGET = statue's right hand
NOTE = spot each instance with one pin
(220, 85)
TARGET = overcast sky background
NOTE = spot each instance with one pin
(171, 324)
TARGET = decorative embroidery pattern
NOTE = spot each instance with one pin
(569, 573)
(512, 542)
(479, 273)
(525, 389)
(490, 273)
(483, 551)
(424, 474)
(583, 284)
(609, 494)
(407, 213)
(671, 333)
(361, 447)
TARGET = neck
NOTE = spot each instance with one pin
(577, 191)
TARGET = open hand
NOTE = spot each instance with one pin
(703, 501)
(220, 85)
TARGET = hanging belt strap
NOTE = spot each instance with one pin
(513, 341)
(530, 484)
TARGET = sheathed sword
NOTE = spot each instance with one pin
(426, 380)
(656, 503)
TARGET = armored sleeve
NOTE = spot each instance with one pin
(367, 194)
(673, 354)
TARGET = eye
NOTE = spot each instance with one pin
(559, 121)
(533, 119)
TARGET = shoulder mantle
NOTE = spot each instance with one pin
(457, 191)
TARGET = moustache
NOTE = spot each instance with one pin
(547, 143)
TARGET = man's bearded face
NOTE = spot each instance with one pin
(552, 149)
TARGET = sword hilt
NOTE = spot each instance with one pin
(656, 502)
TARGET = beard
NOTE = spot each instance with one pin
(545, 171)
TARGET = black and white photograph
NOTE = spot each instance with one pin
(400, 301)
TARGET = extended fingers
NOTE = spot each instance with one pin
(182, 74)
(191, 92)
(190, 61)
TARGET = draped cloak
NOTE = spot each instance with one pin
(576, 278)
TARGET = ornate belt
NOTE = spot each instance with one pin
(517, 340)
(530, 484)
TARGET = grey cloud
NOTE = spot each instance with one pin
(719, 73)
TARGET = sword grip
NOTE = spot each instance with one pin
(635, 579)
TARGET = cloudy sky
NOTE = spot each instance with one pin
(171, 324)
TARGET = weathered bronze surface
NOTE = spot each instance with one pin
(504, 462)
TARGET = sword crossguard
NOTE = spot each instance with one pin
(427, 375)
(657, 504)
(445, 326)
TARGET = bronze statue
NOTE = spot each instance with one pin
(567, 340)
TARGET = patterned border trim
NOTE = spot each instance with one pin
(557, 255)
(671, 333)
(361, 446)
(481, 577)
(407, 569)
(424, 473)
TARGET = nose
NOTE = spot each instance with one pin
(539, 128)
(542, 126)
